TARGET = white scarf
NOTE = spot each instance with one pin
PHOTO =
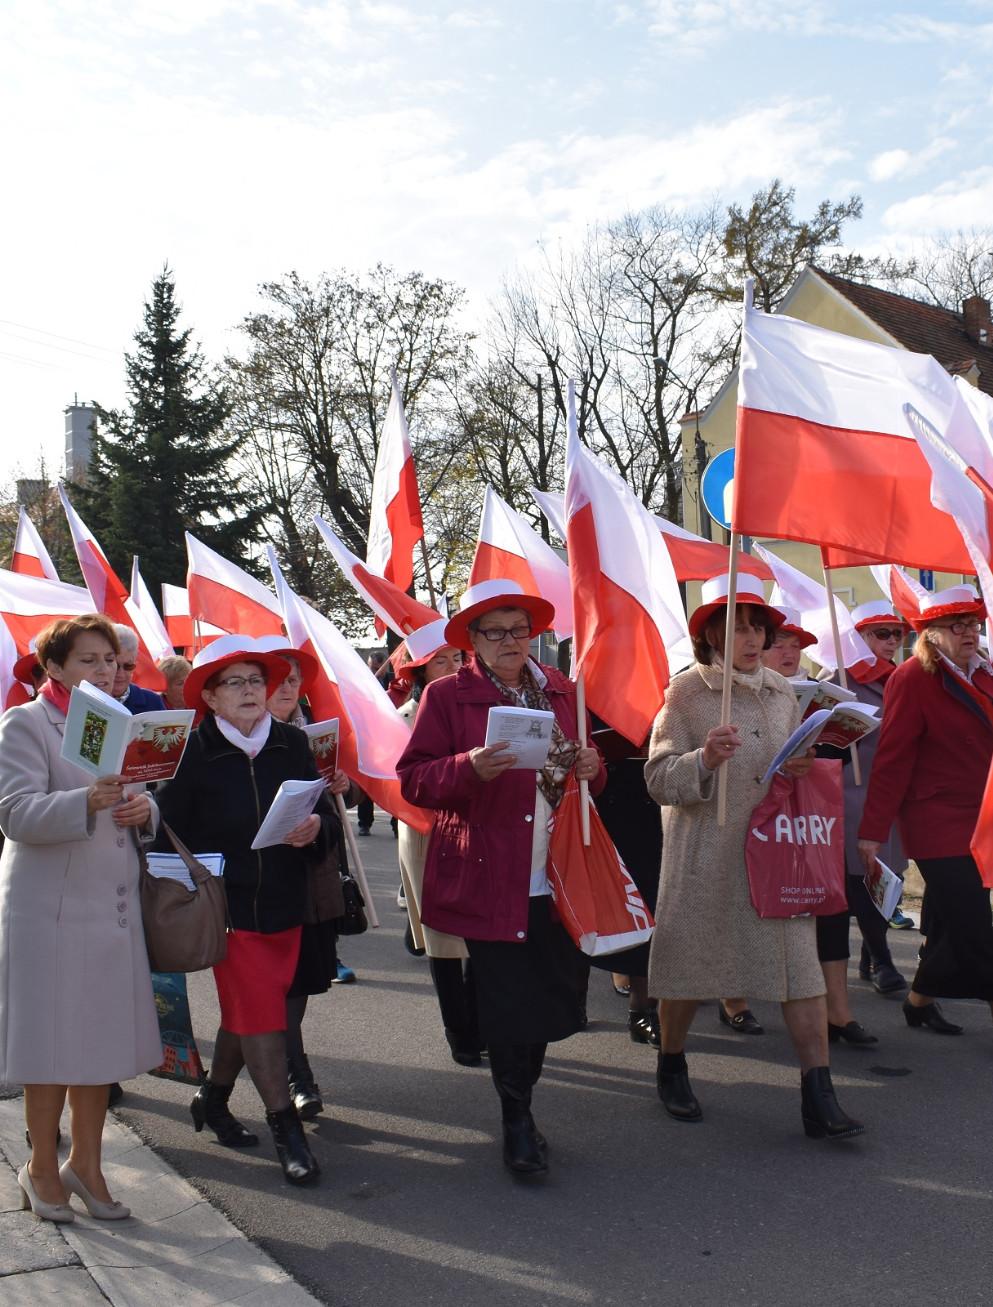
(250, 744)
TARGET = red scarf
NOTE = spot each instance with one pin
(866, 673)
(56, 693)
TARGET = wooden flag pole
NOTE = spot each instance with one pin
(427, 573)
(722, 771)
(839, 657)
(356, 857)
(584, 786)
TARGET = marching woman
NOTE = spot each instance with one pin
(788, 644)
(883, 631)
(234, 763)
(317, 963)
(76, 1005)
(929, 775)
(709, 940)
(485, 877)
(430, 657)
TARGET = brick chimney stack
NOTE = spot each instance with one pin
(976, 313)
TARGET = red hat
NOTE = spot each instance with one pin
(24, 667)
(878, 612)
(793, 626)
(714, 595)
(483, 597)
(956, 601)
(221, 653)
(310, 668)
(420, 646)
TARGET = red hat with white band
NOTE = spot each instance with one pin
(483, 597)
(956, 601)
(793, 626)
(878, 612)
(714, 595)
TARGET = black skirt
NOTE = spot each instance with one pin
(533, 992)
(318, 964)
(957, 959)
(633, 821)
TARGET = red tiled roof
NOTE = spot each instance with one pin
(925, 328)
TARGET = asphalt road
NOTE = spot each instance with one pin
(414, 1206)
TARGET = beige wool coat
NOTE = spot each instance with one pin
(709, 941)
(413, 852)
(76, 1003)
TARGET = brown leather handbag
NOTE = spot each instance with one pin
(185, 930)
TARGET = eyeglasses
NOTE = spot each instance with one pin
(239, 682)
(126, 667)
(886, 632)
(960, 628)
(496, 634)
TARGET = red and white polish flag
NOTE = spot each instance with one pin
(108, 593)
(224, 594)
(693, 557)
(395, 522)
(509, 548)
(823, 450)
(904, 593)
(392, 606)
(27, 605)
(628, 611)
(31, 558)
(795, 589)
(371, 733)
(145, 617)
(179, 623)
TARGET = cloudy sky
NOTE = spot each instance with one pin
(239, 139)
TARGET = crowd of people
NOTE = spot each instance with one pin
(76, 1001)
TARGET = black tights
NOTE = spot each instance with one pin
(265, 1057)
(296, 1009)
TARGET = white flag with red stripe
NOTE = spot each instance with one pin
(179, 624)
(145, 617)
(628, 611)
(372, 734)
(823, 452)
(109, 595)
(31, 558)
(395, 522)
(223, 594)
(508, 547)
(30, 603)
(693, 557)
(795, 589)
(903, 592)
(392, 606)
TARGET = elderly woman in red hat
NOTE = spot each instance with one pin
(929, 775)
(709, 940)
(425, 657)
(485, 877)
(318, 962)
(883, 630)
(234, 763)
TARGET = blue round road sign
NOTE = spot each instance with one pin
(716, 486)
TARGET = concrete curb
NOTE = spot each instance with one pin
(175, 1248)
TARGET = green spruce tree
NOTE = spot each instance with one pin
(162, 465)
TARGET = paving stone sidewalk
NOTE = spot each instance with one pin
(175, 1247)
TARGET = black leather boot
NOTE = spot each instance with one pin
(673, 1082)
(524, 1150)
(515, 1069)
(304, 1092)
(643, 1026)
(210, 1107)
(822, 1115)
(298, 1162)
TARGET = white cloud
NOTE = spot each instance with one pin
(906, 163)
(966, 201)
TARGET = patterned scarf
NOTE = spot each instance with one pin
(562, 753)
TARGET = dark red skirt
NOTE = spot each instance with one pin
(254, 979)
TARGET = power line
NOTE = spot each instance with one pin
(7, 322)
(44, 344)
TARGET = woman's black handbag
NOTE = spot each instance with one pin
(353, 920)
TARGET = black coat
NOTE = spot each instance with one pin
(215, 803)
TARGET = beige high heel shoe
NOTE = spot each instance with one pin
(99, 1210)
(44, 1211)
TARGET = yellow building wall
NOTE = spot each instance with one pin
(810, 301)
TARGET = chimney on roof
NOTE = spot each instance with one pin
(976, 313)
